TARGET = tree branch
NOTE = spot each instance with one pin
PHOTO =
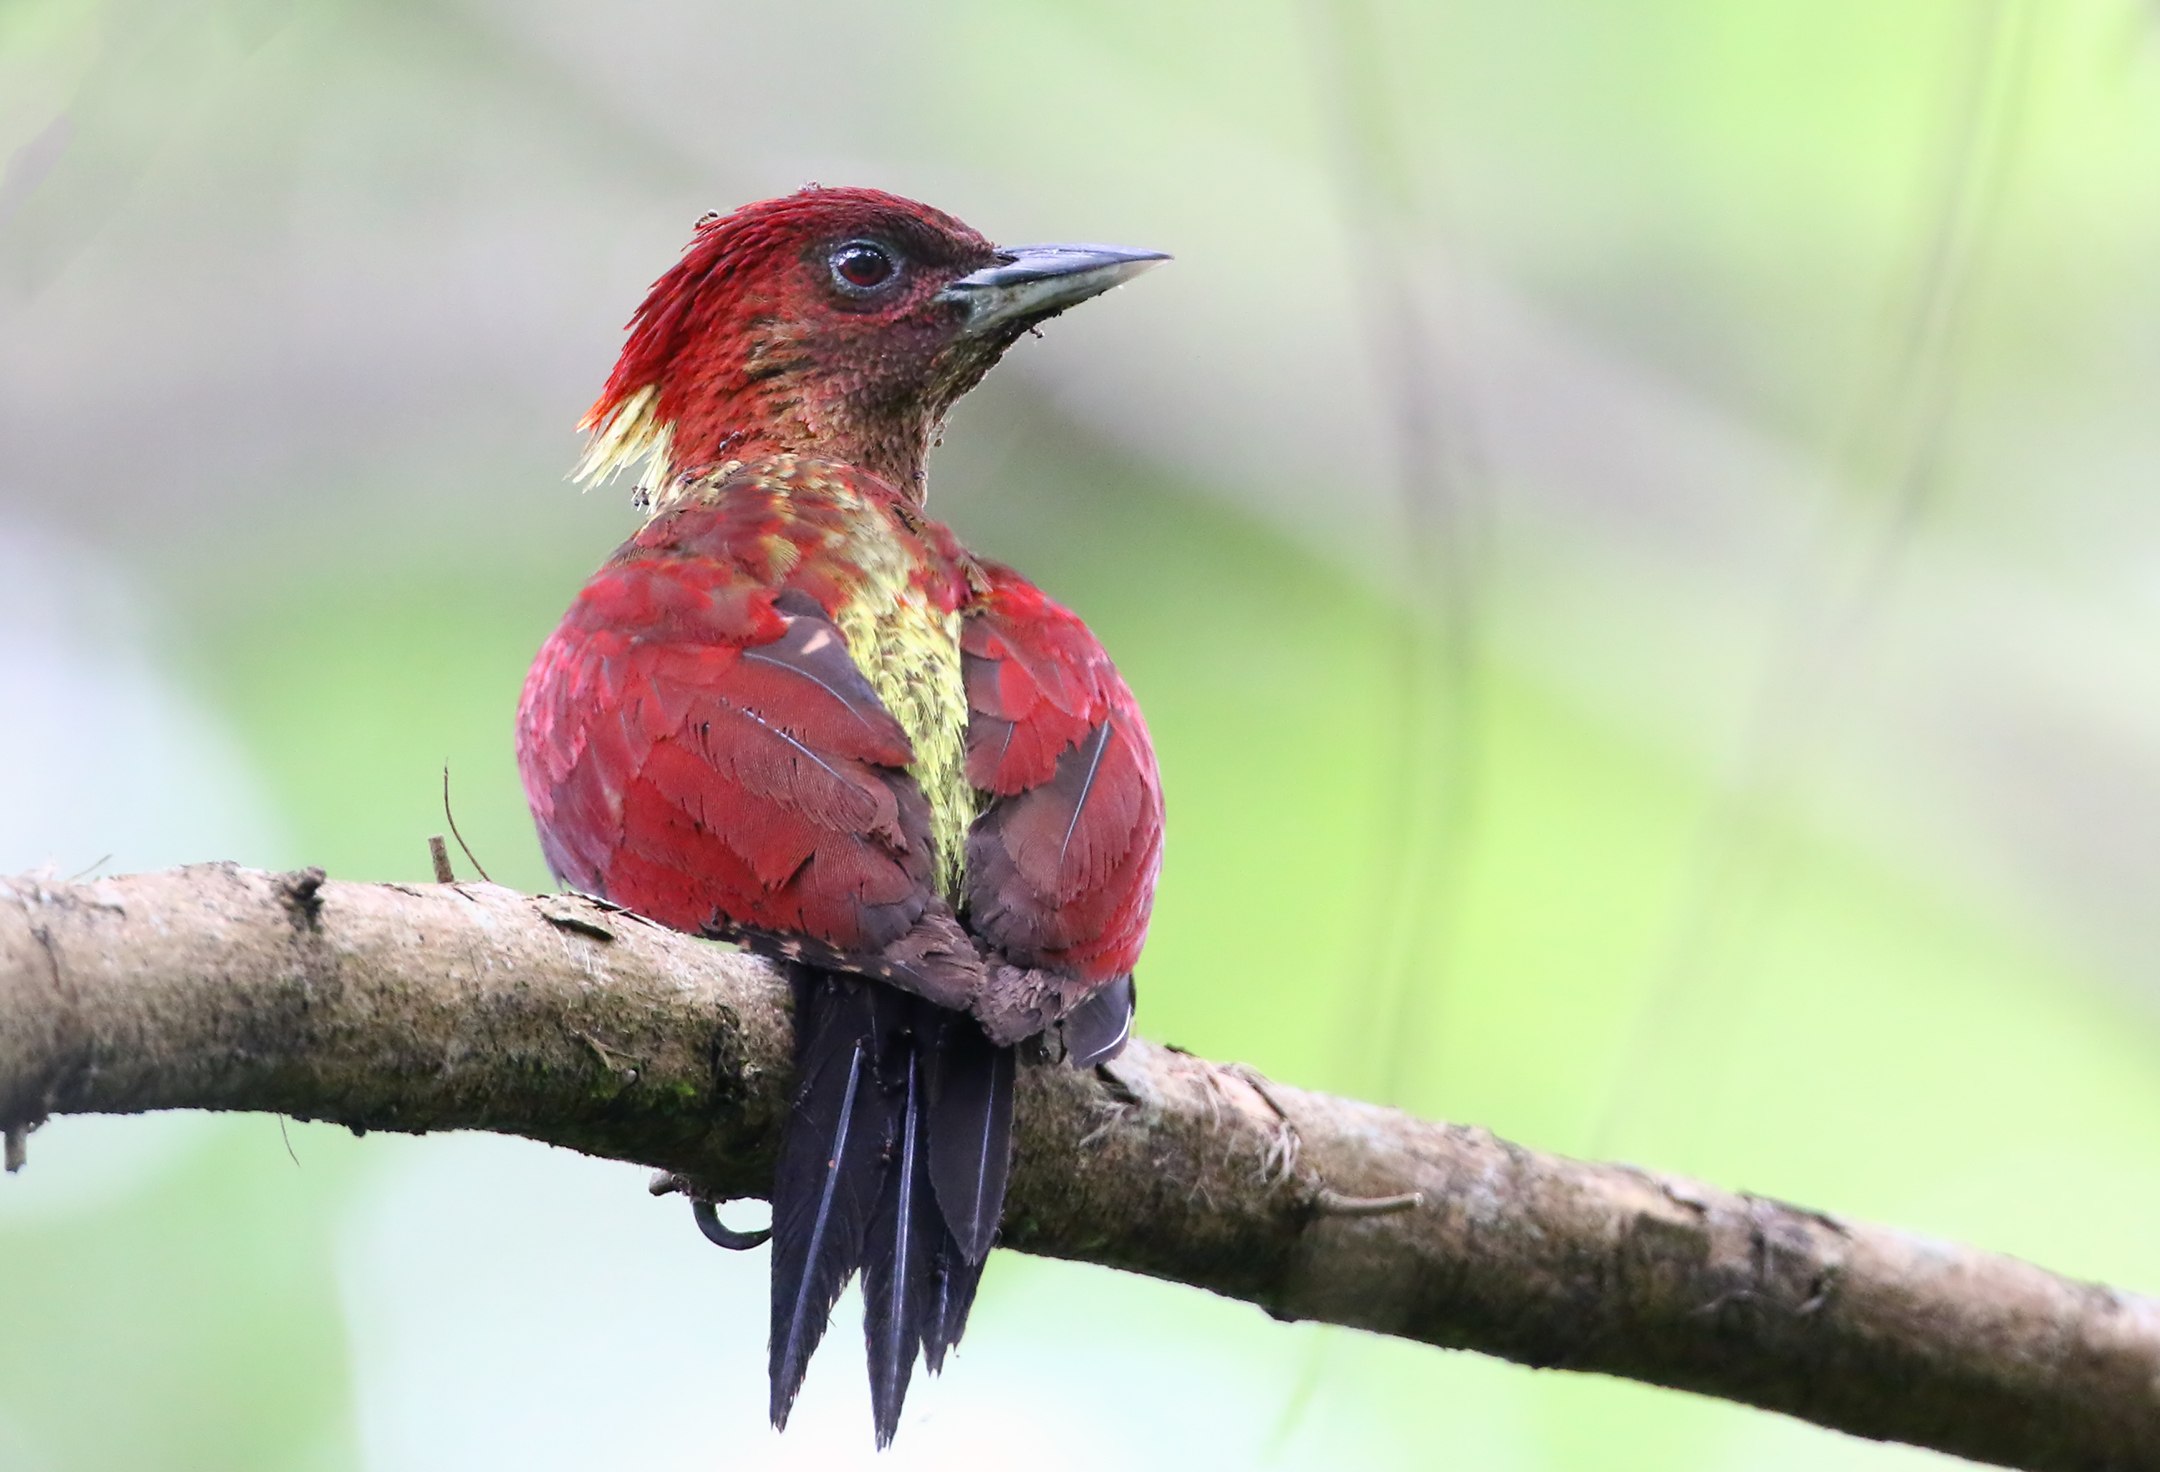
(471, 1007)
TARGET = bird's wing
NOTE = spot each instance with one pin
(1063, 859)
(705, 752)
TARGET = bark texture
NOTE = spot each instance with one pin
(440, 1007)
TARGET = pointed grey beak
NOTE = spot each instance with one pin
(1030, 282)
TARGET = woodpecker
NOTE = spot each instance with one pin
(795, 713)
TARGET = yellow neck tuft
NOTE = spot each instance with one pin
(632, 432)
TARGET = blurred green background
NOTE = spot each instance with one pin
(1633, 526)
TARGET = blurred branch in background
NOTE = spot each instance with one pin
(446, 1007)
(1830, 616)
(298, 306)
(1427, 704)
(1429, 748)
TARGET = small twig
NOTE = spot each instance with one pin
(1330, 1202)
(606, 906)
(1280, 1162)
(451, 818)
(301, 890)
(439, 856)
(564, 919)
(626, 1071)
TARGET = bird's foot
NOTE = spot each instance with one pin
(720, 1234)
(706, 1210)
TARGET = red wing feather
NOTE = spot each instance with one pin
(710, 756)
(1062, 861)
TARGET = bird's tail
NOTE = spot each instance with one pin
(893, 1160)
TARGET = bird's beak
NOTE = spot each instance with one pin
(1030, 282)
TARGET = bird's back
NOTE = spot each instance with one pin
(793, 712)
(691, 611)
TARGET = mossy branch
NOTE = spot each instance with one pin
(438, 1007)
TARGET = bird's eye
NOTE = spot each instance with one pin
(862, 266)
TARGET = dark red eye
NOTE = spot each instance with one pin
(862, 265)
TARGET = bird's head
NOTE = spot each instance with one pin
(833, 322)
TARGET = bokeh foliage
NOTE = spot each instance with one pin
(1721, 732)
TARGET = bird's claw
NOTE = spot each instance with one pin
(720, 1234)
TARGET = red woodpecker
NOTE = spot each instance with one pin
(796, 713)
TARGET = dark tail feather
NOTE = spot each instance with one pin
(952, 1295)
(971, 1107)
(1097, 1030)
(893, 1160)
(900, 1249)
(831, 1169)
